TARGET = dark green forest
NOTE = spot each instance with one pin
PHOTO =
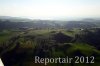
(20, 42)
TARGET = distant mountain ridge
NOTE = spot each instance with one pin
(7, 22)
(14, 19)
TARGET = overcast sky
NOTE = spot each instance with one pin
(49, 9)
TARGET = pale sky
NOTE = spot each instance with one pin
(49, 9)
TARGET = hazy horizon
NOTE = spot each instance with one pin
(50, 9)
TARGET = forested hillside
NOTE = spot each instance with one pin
(21, 41)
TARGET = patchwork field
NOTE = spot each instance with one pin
(19, 48)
